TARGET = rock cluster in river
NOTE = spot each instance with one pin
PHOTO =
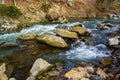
(57, 41)
(43, 69)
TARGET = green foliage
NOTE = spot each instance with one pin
(45, 6)
(105, 4)
(48, 17)
(10, 11)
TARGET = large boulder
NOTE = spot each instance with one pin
(27, 37)
(52, 40)
(80, 30)
(77, 73)
(39, 66)
(65, 33)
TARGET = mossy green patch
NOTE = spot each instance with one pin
(10, 11)
(45, 6)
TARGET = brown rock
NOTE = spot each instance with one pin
(77, 73)
(107, 61)
(39, 66)
(102, 73)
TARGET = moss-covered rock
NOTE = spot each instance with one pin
(80, 30)
(65, 33)
(52, 40)
(107, 61)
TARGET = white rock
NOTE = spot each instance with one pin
(39, 66)
(114, 41)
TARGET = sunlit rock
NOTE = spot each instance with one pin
(39, 66)
(52, 40)
(114, 41)
(65, 33)
(70, 3)
(102, 73)
(2, 68)
(12, 79)
(3, 77)
(77, 73)
(90, 69)
(80, 30)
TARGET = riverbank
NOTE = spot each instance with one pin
(56, 11)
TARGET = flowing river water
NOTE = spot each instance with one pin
(83, 51)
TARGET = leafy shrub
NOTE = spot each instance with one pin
(48, 17)
(10, 11)
(45, 6)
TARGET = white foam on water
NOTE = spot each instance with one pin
(84, 52)
(38, 29)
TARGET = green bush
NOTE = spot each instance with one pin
(45, 6)
(10, 11)
(49, 18)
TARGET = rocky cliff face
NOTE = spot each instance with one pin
(68, 8)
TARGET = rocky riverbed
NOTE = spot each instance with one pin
(77, 50)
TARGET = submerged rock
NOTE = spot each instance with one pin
(65, 33)
(52, 40)
(114, 41)
(7, 44)
(27, 37)
(39, 66)
(105, 26)
(80, 30)
(68, 66)
(107, 61)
